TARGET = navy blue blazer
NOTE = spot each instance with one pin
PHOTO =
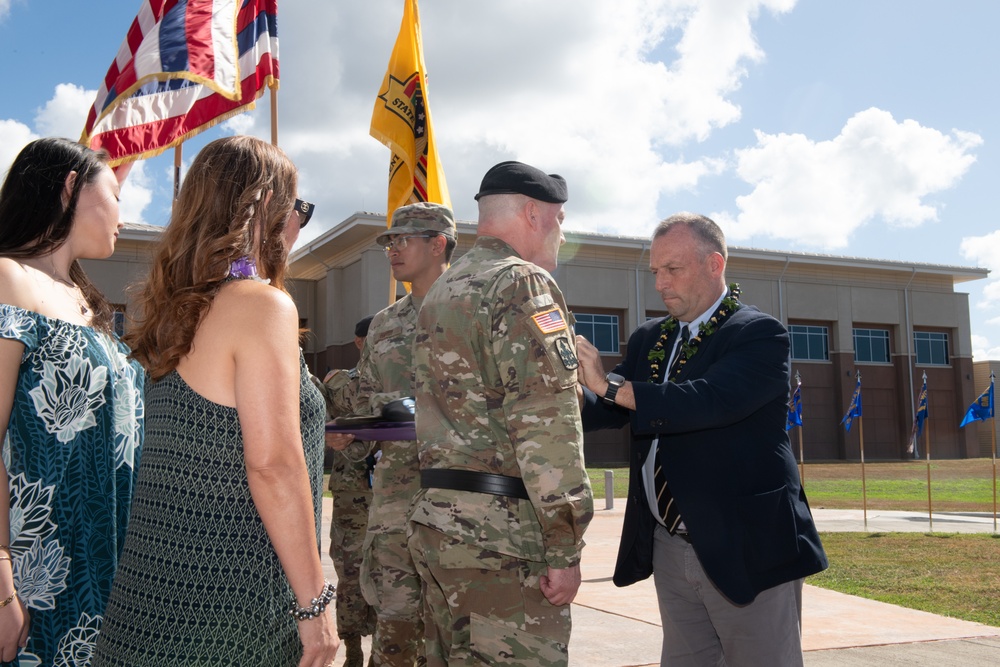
(726, 455)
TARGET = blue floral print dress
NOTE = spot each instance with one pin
(71, 450)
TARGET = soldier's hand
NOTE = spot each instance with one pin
(339, 441)
(560, 586)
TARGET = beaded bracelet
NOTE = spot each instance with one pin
(316, 606)
(4, 603)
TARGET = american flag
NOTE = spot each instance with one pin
(184, 66)
(550, 321)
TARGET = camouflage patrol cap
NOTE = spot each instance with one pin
(420, 217)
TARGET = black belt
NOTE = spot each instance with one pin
(470, 480)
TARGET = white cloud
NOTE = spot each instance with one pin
(66, 113)
(982, 350)
(137, 193)
(985, 252)
(818, 193)
(5, 8)
(13, 137)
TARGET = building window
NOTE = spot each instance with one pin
(809, 343)
(871, 345)
(600, 330)
(931, 347)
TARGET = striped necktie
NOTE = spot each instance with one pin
(664, 499)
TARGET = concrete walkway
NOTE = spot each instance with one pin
(620, 627)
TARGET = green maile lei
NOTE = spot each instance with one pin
(730, 304)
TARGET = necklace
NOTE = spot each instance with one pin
(730, 304)
(81, 300)
(245, 268)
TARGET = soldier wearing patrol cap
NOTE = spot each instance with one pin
(419, 245)
(497, 528)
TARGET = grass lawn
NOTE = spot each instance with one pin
(964, 485)
(947, 574)
(956, 486)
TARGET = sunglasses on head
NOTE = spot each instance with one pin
(305, 210)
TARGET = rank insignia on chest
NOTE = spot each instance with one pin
(567, 354)
(550, 321)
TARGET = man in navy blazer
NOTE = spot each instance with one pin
(707, 413)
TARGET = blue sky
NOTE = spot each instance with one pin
(864, 128)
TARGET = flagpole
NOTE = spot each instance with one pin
(993, 452)
(854, 411)
(802, 463)
(864, 488)
(802, 460)
(927, 452)
(178, 154)
(274, 116)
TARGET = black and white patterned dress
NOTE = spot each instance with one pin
(199, 582)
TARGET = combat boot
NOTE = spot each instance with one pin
(355, 656)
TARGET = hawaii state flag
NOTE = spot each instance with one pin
(184, 66)
(401, 120)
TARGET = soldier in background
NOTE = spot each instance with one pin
(497, 527)
(350, 483)
(419, 245)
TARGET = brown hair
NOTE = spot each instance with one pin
(234, 202)
(35, 222)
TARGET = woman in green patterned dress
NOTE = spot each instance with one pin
(70, 406)
(221, 565)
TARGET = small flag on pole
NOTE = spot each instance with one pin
(401, 120)
(982, 409)
(919, 418)
(184, 66)
(854, 409)
(922, 412)
(794, 417)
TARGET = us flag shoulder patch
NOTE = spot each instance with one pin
(550, 321)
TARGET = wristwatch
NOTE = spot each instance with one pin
(615, 383)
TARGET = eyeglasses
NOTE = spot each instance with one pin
(400, 242)
(305, 210)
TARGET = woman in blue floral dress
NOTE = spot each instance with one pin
(71, 407)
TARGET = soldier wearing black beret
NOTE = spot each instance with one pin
(495, 534)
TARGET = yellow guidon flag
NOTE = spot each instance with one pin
(401, 120)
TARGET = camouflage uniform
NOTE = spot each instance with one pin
(352, 495)
(495, 375)
(389, 580)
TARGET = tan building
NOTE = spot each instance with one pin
(892, 321)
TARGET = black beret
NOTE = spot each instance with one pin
(361, 328)
(517, 178)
